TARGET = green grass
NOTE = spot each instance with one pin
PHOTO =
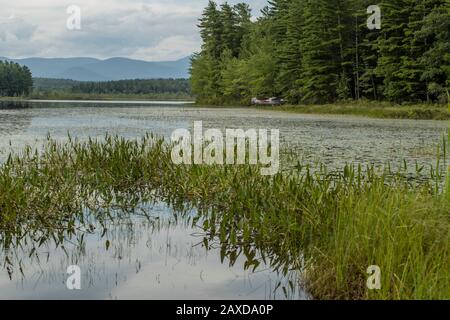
(375, 110)
(330, 225)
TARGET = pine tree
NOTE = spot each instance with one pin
(394, 49)
(211, 31)
(411, 68)
(15, 80)
(366, 80)
(229, 30)
(434, 34)
(205, 71)
(345, 34)
(320, 66)
(277, 16)
(289, 55)
(243, 25)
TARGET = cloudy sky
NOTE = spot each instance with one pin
(152, 30)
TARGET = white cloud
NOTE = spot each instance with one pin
(144, 29)
(169, 48)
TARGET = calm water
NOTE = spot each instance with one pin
(166, 259)
(161, 256)
(333, 140)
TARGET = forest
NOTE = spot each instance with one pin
(126, 89)
(134, 86)
(322, 51)
(15, 80)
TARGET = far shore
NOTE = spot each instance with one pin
(370, 109)
(94, 99)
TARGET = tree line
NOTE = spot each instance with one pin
(15, 80)
(150, 86)
(319, 51)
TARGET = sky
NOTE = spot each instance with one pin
(152, 30)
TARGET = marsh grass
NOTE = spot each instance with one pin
(329, 225)
(372, 109)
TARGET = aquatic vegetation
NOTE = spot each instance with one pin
(329, 225)
(377, 109)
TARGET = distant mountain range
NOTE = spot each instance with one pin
(90, 69)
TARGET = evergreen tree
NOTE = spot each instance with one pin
(243, 25)
(317, 51)
(434, 34)
(229, 30)
(367, 83)
(394, 49)
(205, 70)
(15, 80)
(320, 65)
(290, 54)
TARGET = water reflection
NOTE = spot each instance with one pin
(155, 253)
(12, 117)
(8, 105)
(332, 140)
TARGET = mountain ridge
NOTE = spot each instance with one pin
(115, 68)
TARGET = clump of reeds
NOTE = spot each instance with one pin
(329, 225)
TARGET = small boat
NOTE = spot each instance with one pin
(268, 102)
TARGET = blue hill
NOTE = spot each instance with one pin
(90, 69)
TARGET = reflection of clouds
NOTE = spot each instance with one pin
(141, 263)
(159, 260)
(333, 140)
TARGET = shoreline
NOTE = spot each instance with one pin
(117, 100)
(375, 110)
(145, 102)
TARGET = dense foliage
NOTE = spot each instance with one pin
(317, 51)
(46, 84)
(15, 80)
(137, 86)
(134, 86)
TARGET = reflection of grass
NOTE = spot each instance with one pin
(331, 225)
(375, 110)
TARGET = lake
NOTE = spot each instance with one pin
(161, 254)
